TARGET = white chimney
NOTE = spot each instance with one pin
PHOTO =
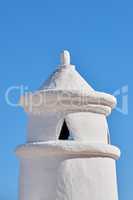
(68, 155)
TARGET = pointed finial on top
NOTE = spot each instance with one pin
(65, 58)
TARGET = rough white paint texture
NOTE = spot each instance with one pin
(68, 178)
(87, 178)
(66, 87)
(44, 127)
(83, 126)
(66, 77)
(61, 77)
(83, 168)
(89, 127)
(61, 148)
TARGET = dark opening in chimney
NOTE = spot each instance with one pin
(64, 134)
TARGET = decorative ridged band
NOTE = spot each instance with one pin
(68, 101)
(52, 148)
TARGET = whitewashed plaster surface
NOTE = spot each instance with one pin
(82, 168)
(68, 178)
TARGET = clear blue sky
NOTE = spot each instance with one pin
(99, 35)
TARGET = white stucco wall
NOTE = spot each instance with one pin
(83, 168)
(68, 178)
(89, 127)
(44, 127)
